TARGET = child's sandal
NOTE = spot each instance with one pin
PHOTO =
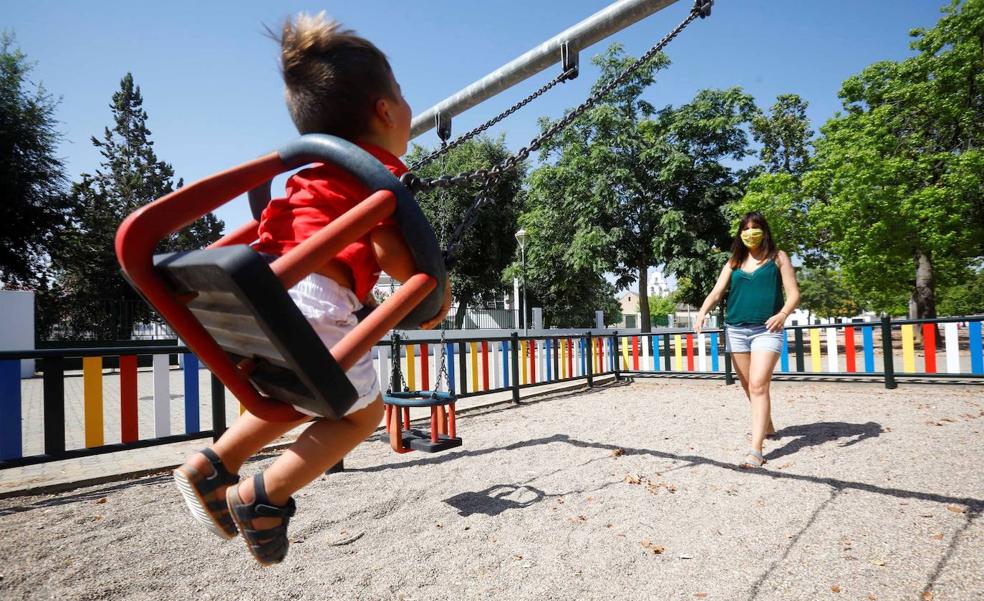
(200, 494)
(268, 545)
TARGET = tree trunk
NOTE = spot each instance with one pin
(459, 316)
(645, 319)
(924, 294)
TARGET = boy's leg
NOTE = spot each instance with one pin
(320, 446)
(247, 435)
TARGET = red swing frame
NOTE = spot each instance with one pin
(140, 233)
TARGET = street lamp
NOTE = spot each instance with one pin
(521, 238)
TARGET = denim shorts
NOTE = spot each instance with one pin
(746, 338)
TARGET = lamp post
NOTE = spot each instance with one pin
(521, 238)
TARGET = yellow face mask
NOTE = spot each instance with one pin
(752, 237)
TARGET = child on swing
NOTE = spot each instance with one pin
(336, 83)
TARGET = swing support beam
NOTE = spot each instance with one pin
(595, 28)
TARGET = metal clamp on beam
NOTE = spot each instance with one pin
(442, 121)
(570, 61)
(703, 7)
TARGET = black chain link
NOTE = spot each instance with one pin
(448, 146)
(416, 184)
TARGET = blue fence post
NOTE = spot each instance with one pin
(548, 354)
(588, 352)
(714, 351)
(192, 419)
(976, 352)
(505, 364)
(867, 334)
(784, 358)
(449, 364)
(11, 444)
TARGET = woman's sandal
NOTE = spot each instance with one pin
(200, 494)
(758, 460)
(268, 545)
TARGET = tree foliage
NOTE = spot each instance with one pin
(786, 138)
(489, 245)
(824, 293)
(32, 178)
(898, 179)
(639, 187)
(98, 302)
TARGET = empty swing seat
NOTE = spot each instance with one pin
(403, 439)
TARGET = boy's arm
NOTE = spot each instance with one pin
(394, 258)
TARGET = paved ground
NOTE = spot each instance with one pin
(627, 492)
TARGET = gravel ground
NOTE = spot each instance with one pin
(624, 492)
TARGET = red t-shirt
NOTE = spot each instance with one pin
(315, 197)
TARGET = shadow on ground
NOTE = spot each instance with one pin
(808, 435)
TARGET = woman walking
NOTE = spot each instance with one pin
(756, 276)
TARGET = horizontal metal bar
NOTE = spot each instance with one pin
(106, 351)
(102, 450)
(595, 28)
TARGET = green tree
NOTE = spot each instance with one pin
(965, 297)
(488, 246)
(661, 306)
(824, 293)
(786, 139)
(785, 135)
(642, 187)
(568, 286)
(32, 179)
(897, 179)
(99, 302)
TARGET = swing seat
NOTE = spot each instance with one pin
(242, 305)
(403, 438)
(231, 307)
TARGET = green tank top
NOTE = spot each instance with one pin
(754, 297)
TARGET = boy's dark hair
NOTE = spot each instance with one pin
(333, 77)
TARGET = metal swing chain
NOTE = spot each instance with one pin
(416, 184)
(449, 146)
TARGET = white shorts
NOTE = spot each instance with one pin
(330, 309)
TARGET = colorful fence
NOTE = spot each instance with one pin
(947, 348)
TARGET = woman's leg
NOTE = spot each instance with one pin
(742, 363)
(759, 378)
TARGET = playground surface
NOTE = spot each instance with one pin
(627, 491)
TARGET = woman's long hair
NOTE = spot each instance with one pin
(739, 252)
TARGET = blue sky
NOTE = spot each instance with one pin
(212, 90)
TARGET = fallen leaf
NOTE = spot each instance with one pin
(878, 562)
(957, 508)
(517, 557)
(700, 595)
(938, 536)
(633, 479)
(835, 589)
(650, 546)
(101, 501)
(872, 597)
(927, 596)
